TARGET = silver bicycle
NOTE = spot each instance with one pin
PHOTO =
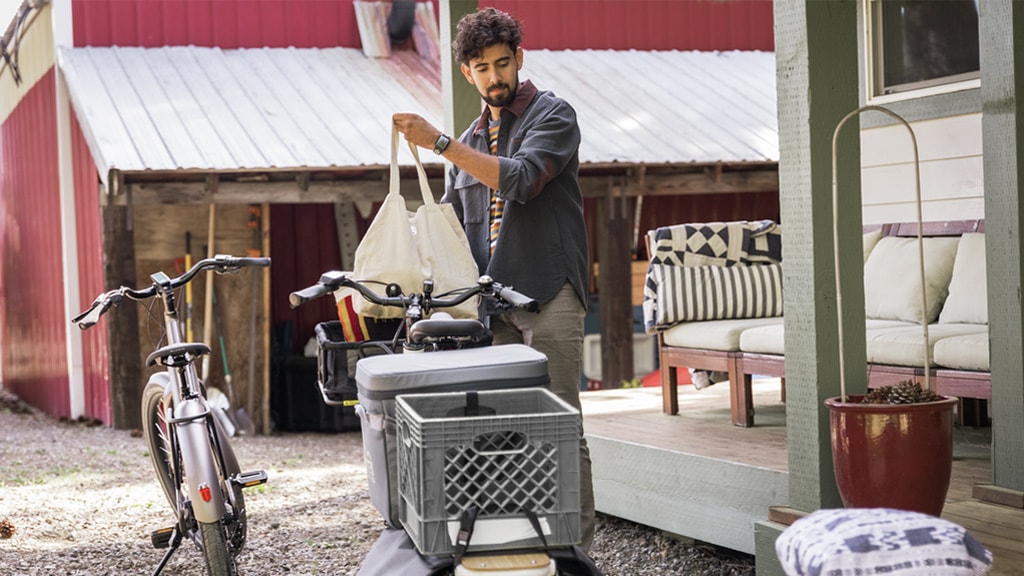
(193, 460)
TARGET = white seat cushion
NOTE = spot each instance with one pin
(772, 339)
(905, 346)
(721, 335)
(764, 340)
(968, 352)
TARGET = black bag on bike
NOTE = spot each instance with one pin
(394, 553)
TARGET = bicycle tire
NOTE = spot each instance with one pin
(219, 559)
(155, 432)
(237, 529)
(158, 443)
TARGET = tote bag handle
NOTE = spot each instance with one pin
(428, 197)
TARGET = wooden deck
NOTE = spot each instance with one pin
(699, 476)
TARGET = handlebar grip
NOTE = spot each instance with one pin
(261, 262)
(90, 317)
(518, 300)
(233, 261)
(300, 297)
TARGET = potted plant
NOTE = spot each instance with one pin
(892, 447)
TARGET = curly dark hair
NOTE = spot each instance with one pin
(483, 29)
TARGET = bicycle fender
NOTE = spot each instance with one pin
(161, 378)
(204, 483)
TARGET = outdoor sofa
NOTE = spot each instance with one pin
(747, 338)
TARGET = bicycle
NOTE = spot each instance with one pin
(459, 356)
(189, 449)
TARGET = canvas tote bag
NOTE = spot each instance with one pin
(406, 248)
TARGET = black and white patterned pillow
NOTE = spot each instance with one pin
(696, 293)
(863, 541)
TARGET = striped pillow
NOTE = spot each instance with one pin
(695, 293)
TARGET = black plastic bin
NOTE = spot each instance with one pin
(336, 362)
(300, 407)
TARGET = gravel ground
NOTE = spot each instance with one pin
(81, 499)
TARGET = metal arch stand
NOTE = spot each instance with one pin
(835, 241)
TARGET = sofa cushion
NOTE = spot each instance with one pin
(892, 283)
(771, 339)
(968, 290)
(967, 352)
(870, 239)
(905, 346)
(721, 335)
(696, 293)
(851, 541)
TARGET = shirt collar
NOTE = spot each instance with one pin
(524, 95)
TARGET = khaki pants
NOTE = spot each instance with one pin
(557, 332)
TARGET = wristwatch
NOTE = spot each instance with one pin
(441, 144)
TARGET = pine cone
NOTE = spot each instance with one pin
(877, 395)
(905, 392)
(6, 528)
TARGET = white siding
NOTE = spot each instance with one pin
(952, 185)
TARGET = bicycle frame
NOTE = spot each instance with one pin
(195, 465)
(191, 425)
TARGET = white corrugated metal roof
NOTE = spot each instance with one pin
(192, 108)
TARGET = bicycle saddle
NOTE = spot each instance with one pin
(444, 326)
(173, 352)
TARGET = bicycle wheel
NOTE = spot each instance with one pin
(236, 524)
(166, 460)
(158, 442)
(219, 560)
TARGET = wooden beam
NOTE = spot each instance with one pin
(614, 288)
(123, 325)
(265, 322)
(273, 192)
(704, 181)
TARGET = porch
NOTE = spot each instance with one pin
(699, 476)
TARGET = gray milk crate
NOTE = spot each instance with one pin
(380, 379)
(520, 455)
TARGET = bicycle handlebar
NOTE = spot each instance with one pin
(221, 264)
(331, 281)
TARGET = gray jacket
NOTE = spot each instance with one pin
(543, 240)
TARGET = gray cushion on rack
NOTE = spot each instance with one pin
(852, 541)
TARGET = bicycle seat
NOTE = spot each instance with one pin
(444, 326)
(175, 351)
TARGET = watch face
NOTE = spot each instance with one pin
(441, 144)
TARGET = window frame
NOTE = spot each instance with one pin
(873, 71)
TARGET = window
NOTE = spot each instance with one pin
(922, 43)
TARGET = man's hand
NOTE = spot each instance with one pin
(483, 167)
(416, 129)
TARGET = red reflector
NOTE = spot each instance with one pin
(204, 491)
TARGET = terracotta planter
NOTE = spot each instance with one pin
(892, 455)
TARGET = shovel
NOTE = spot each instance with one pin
(244, 424)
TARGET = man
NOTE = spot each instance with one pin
(514, 185)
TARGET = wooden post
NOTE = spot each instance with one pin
(122, 327)
(460, 99)
(1002, 32)
(614, 285)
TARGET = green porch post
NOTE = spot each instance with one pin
(1002, 32)
(460, 99)
(817, 74)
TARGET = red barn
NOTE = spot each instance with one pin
(83, 212)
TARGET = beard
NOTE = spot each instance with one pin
(503, 100)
